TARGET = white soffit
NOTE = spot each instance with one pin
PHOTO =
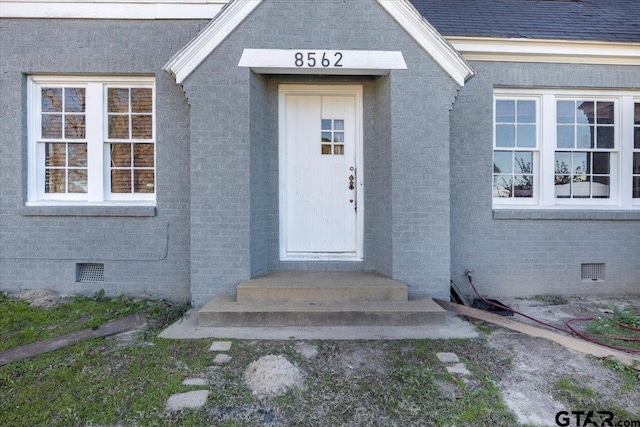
(111, 9)
(185, 61)
(547, 51)
(319, 61)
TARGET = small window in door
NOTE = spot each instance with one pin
(332, 137)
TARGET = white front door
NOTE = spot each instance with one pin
(320, 172)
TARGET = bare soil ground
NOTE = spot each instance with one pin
(528, 384)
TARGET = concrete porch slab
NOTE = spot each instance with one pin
(453, 327)
(225, 311)
(299, 286)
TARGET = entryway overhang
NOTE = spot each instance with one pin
(428, 38)
(322, 62)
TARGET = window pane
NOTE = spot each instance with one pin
(326, 136)
(636, 187)
(326, 149)
(52, 126)
(601, 163)
(526, 112)
(505, 136)
(338, 137)
(55, 154)
(505, 111)
(502, 162)
(118, 100)
(78, 181)
(526, 136)
(585, 112)
(326, 124)
(121, 181)
(562, 186)
(605, 137)
(338, 124)
(636, 138)
(563, 163)
(119, 127)
(566, 112)
(523, 162)
(605, 113)
(502, 186)
(636, 163)
(600, 187)
(143, 155)
(51, 100)
(143, 181)
(141, 101)
(585, 136)
(74, 126)
(566, 138)
(581, 186)
(636, 114)
(141, 127)
(338, 149)
(55, 181)
(120, 155)
(581, 163)
(74, 100)
(523, 186)
(78, 155)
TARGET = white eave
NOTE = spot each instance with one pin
(187, 59)
(546, 51)
(111, 9)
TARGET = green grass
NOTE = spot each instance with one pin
(605, 327)
(105, 382)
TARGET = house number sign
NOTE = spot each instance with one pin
(322, 61)
(321, 58)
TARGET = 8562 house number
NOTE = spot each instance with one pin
(318, 59)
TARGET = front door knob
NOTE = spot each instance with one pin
(351, 186)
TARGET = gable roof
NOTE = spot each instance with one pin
(597, 20)
(190, 56)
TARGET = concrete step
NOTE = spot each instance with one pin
(318, 286)
(225, 311)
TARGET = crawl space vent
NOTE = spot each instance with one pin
(592, 271)
(90, 272)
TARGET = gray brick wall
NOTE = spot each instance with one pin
(520, 253)
(407, 230)
(144, 251)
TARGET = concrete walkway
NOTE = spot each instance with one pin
(187, 328)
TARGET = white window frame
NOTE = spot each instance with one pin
(98, 157)
(544, 170)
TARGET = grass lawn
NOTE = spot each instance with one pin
(117, 381)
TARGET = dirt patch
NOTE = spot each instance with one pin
(42, 298)
(272, 376)
(528, 384)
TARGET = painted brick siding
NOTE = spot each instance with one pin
(40, 247)
(533, 252)
(415, 229)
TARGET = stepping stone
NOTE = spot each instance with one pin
(458, 368)
(220, 346)
(195, 381)
(191, 399)
(448, 357)
(221, 358)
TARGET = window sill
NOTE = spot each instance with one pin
(94, 210)
(567, 214)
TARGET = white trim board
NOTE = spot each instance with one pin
(320, 61)
(111, 9)
(547, 51)
(402, 11)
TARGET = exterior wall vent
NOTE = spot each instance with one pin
(89, 272)
(592, 271)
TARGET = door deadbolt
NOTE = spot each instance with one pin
(351, 186)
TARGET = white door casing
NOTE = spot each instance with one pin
(321, 185)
